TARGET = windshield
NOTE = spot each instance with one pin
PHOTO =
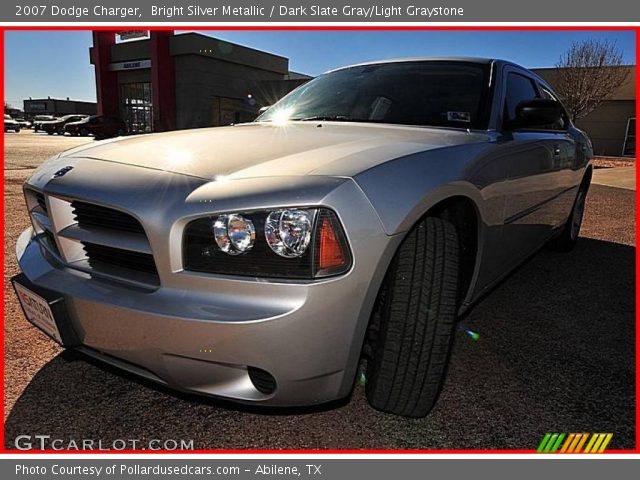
(444, 94)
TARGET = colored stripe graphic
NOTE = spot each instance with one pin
(592, 440)
(568, 442)
(581, 443)
(605, 442)
(558, 443)
(573, 442)
(543, 443)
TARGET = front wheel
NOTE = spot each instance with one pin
(414, 327)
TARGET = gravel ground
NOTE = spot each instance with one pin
(611, 162)
(556, 353)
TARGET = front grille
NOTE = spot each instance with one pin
(41, 202)
(103, 258)
(113, 244)
(90, 215)
(51, 242)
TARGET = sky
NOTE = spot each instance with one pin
(56, 63)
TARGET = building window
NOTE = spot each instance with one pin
(629, 148)
(136, 108)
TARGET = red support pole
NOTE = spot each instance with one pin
(163, 81)
(106, 80)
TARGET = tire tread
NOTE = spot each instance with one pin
(416, 322)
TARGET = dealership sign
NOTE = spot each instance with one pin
(131, 65)
(125, 35)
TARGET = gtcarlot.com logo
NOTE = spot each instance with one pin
(574, 443)
(46, 442)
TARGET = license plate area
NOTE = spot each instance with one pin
(46, 310)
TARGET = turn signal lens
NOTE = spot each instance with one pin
(234, 234)
(331, 253)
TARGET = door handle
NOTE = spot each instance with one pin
(556, 150)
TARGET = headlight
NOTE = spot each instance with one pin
(234, 234)
(288, 232)
(285, 243)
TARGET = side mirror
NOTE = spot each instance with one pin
(537, 113)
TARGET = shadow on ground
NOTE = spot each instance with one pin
(556, 353)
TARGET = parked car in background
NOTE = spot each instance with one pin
(10, 125)
(39, 119)
(57, 126)
(24, 123)
(97, 125)
(351, 224)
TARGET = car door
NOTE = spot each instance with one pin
(96, 125)
(537, 182)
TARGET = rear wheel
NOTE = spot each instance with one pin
(571, 230)
(414, 326)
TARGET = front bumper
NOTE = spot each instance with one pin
(204, 333)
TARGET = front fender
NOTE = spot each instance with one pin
(404, 189)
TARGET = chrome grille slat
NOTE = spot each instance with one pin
(107, 237)
(99, 255)
(98, 216)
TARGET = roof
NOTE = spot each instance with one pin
(627, 90)
(478, 60)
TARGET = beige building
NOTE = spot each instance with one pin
(611, 126)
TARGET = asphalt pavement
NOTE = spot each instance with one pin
(556, 353)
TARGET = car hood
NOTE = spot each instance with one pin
(264, 149)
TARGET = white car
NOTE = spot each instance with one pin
(10, 125)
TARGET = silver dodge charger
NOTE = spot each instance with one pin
(348, 227)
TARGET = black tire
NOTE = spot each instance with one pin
(49, 132)
(568, 237)
(415, 326)
(84, 132)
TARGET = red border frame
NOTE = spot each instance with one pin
(636, 29)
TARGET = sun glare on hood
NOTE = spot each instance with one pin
(176, 158)
(281, 117)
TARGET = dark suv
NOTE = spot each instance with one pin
(97, 125)
(57, 126)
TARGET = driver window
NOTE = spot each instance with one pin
(519, 89)
(564, 121)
